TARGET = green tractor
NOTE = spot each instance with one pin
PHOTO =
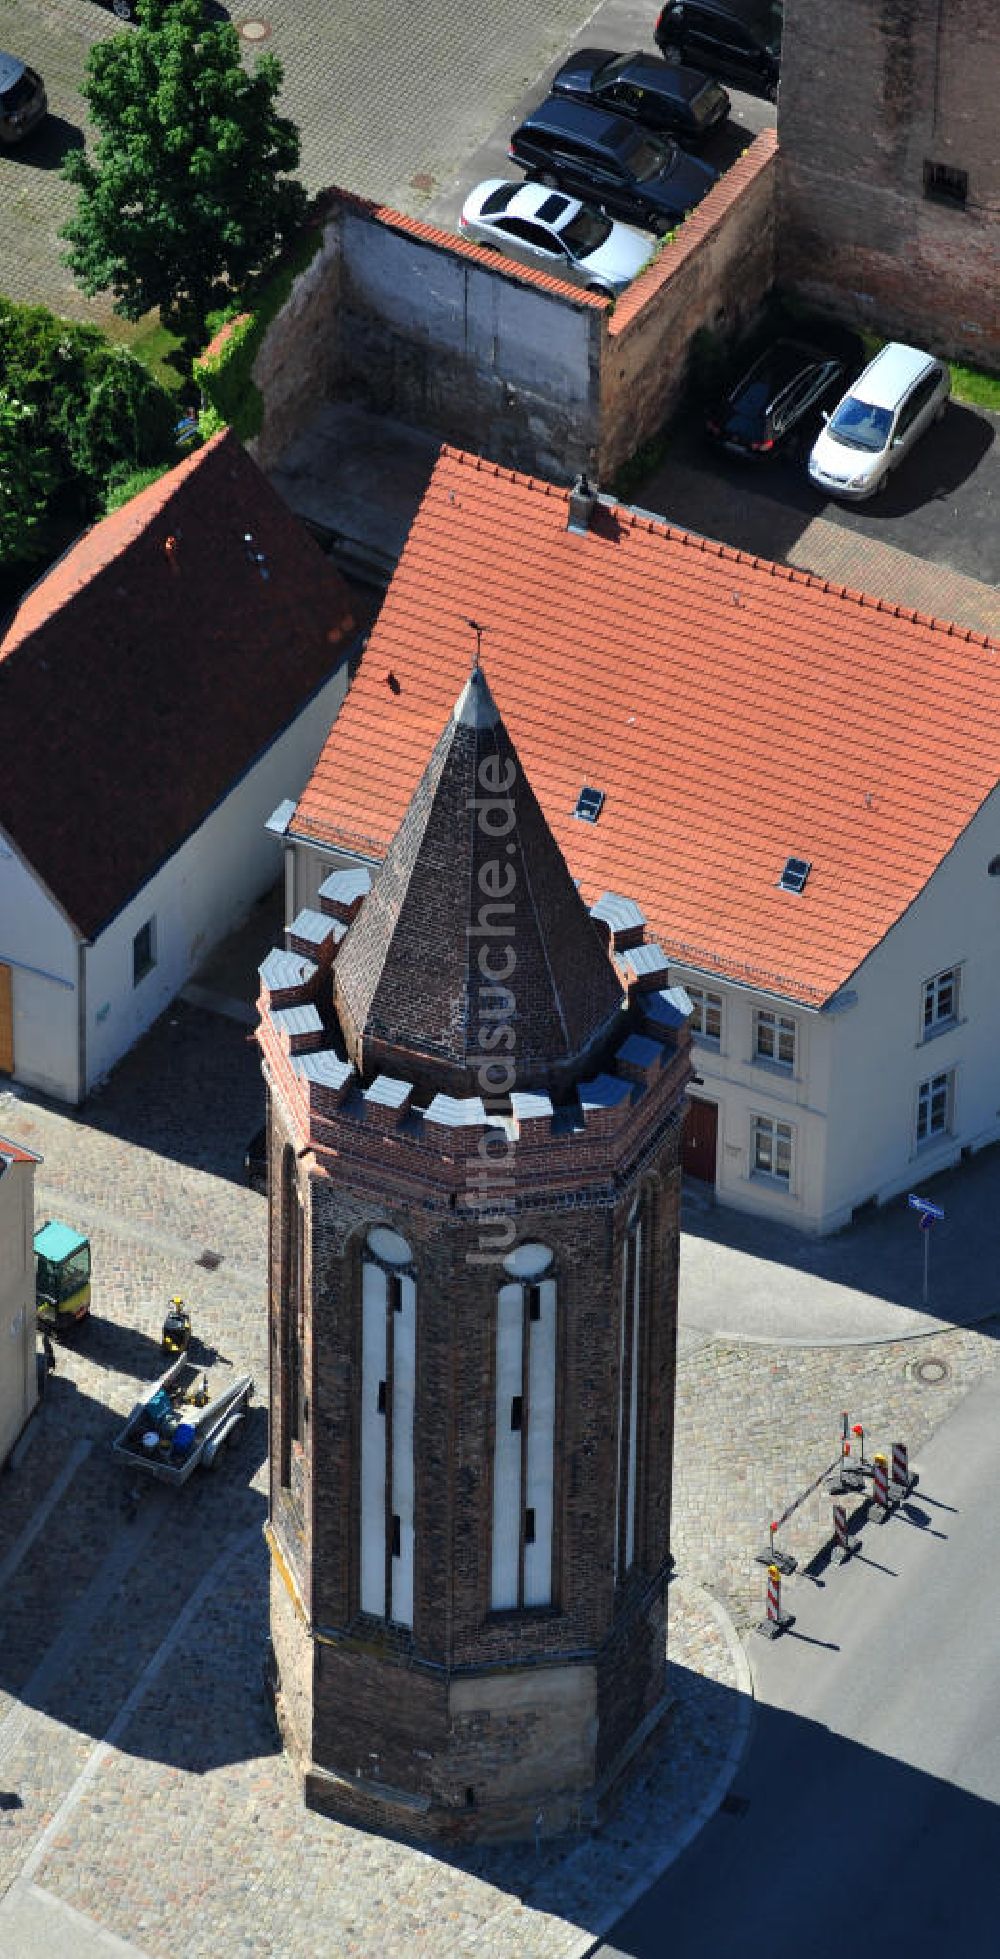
(62, 1277)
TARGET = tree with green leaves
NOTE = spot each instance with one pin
(29, 477)
(187, 196)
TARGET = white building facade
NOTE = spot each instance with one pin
(18, 1367)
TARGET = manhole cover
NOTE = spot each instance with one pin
(931, 1371)
(254, 30)
(210, 1260)
(422, 181)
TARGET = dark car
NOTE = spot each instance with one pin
(740, 39)
(656, 93)
(22, 99)
(786, 386)
(611, 162)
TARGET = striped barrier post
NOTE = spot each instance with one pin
(776, 1621)
(843, 1545)
(883, 1499)
(901, 1477)
(770, 1554)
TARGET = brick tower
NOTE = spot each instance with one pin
(889, 166)
(475, 1095)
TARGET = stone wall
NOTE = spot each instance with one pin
(914, 82)
(715, 273)
(499, 357)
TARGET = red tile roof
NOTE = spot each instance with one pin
(735, 713)
(151, 667)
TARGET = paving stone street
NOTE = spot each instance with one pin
(134, 1726)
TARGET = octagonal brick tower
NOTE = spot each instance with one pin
(475, 1095)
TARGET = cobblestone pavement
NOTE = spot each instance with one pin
(133, 1722)
(388, 113)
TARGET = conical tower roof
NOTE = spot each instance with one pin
(474, 932)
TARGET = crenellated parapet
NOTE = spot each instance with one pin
(385, 1127)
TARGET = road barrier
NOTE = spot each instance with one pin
(844, 1475)
(902, 1480)
(883, 1498)
(776, 1621)
(844, 1546)
(771, 1555)
(863, 1463)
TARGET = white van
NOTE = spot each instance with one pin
(885, 412)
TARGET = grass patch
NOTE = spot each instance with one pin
(154, 345)
(972, 385)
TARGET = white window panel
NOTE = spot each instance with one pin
(621, 1399)
(774, 1038)
(935, 1103)
(507, 1451)
(373, 1372)
(540, 1446)
(941, 1000)
(404, 1326)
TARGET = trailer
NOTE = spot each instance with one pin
(182, 1423)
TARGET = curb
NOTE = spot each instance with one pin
(931, 1329)
(718, 1788)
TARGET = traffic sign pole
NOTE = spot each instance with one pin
(929, 1216)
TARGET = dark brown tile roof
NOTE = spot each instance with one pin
(473, 920)
(145, 674)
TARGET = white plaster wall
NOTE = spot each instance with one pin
(744, 1088)
(404, 1354)
(311, 866)
(39, 945)
(373, 1450)
(882, 1056)
(202, 892)
(507, 1450)
(540, 1445)
(18, 1373)
(502, 326)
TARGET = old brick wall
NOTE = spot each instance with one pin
(714, 274)
(297, 366)
(914, 82)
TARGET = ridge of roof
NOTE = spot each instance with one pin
(647, 521)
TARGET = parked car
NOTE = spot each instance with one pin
(647, 89)
(775, 397)
(23, 101)
(740, 39)
(878, 421)
(530, 221)
(610, 162)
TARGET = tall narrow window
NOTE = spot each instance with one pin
(629, 1351)
(388, 1373)
(291, 1311)
(523, 1457)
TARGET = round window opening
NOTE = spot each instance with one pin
(388, 1246)
(993, 867)
(528, 1261)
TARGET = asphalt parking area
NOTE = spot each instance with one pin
(931, 539)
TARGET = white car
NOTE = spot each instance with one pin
(885, 412)
(555, 231)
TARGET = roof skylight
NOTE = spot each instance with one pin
(589, 804)
(793, 877)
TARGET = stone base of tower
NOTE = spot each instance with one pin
(496, 1753)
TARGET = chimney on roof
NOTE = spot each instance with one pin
(582, 502)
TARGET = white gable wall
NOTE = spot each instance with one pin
(40, 947)
(882, 1055)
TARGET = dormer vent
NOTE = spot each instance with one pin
(793, 877)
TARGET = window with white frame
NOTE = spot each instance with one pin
(940, 1001)
(772, 1148)
(706, 1020)
(774, 1038)
(935, 1106)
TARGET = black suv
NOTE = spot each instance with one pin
(740, 39)
(631, 173)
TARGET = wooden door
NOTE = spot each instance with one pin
(6, 1021)
(701, 1138)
